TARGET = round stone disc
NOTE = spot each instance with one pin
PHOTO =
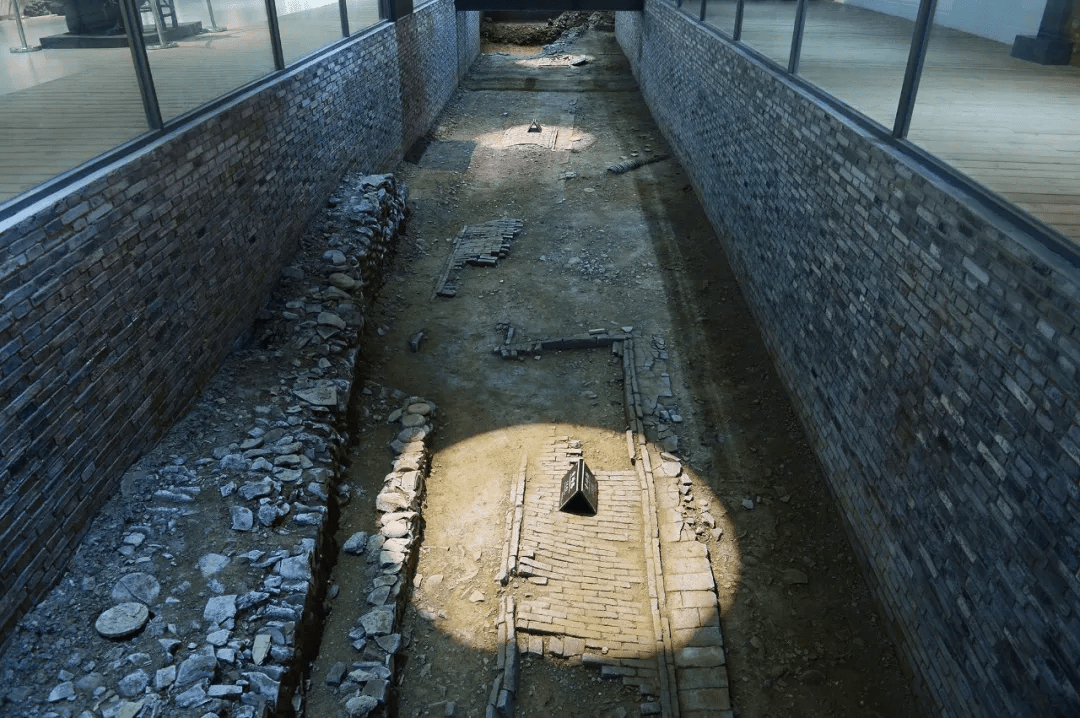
(122, 620)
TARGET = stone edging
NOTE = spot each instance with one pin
(391, 557)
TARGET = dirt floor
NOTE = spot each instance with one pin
(597, 251)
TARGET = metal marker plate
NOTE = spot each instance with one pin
(579, 490)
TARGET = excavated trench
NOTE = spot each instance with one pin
(518, 356)
(432, 573)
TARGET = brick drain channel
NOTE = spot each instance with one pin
(627, 590)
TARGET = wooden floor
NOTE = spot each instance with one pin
(60, 108)
(1012, 126)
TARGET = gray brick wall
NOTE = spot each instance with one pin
(931, 349)
(428, 52)
(120, 296)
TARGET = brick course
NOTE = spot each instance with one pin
(930, 347)
(121, 295)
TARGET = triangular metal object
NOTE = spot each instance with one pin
(535, 127)
(579, 490)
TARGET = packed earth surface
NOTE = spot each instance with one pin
(360, 516)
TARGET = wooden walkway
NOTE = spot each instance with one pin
(1010, 125)
(60, 108)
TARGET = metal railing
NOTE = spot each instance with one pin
(924, 23)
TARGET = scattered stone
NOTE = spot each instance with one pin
(133, 684)
(329, 319)
(192, 697)
(360, 706)
(395, 529)
(266, 686)
(390, 643)
(343, 281)
(812, 677)
(199, 667)
(748, 504)
(164, 677)
(322, 395)
(356, 543)
(256, 489)
(378, 622)
(63, 692)
(212, 563)
(476, 597)
(218, 638)
(794, 576)
(90, 682)
(336, 674)
(295, 568)
(122, 620)
(224, 691)
(140, 587)
(242, 518)
(377, 688)
(220, 609)
(671, 468)
(268, 514)
(260, 648)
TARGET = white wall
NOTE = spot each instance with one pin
(1000, 20)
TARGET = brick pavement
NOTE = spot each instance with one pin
(619, 590)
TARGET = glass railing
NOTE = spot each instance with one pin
(62, 107)
(70, 88)
(989, 88)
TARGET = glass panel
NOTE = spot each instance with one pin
(60, 107)
(307, 25)
(204, 66)
(362, 14)
(768, 26)
(721, 15)
(857, 55)
(1010, 124)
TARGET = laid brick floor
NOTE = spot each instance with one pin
(596, 597)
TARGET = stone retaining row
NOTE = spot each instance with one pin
(205, 574)
(390, 554)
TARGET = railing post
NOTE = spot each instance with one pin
(213, 25)
(344, 10)
(275, 35)
(737, 35)
(701, 17)
(23, 47)
(129, 13)
(920, 39)
(159, 23)
(796, 37)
